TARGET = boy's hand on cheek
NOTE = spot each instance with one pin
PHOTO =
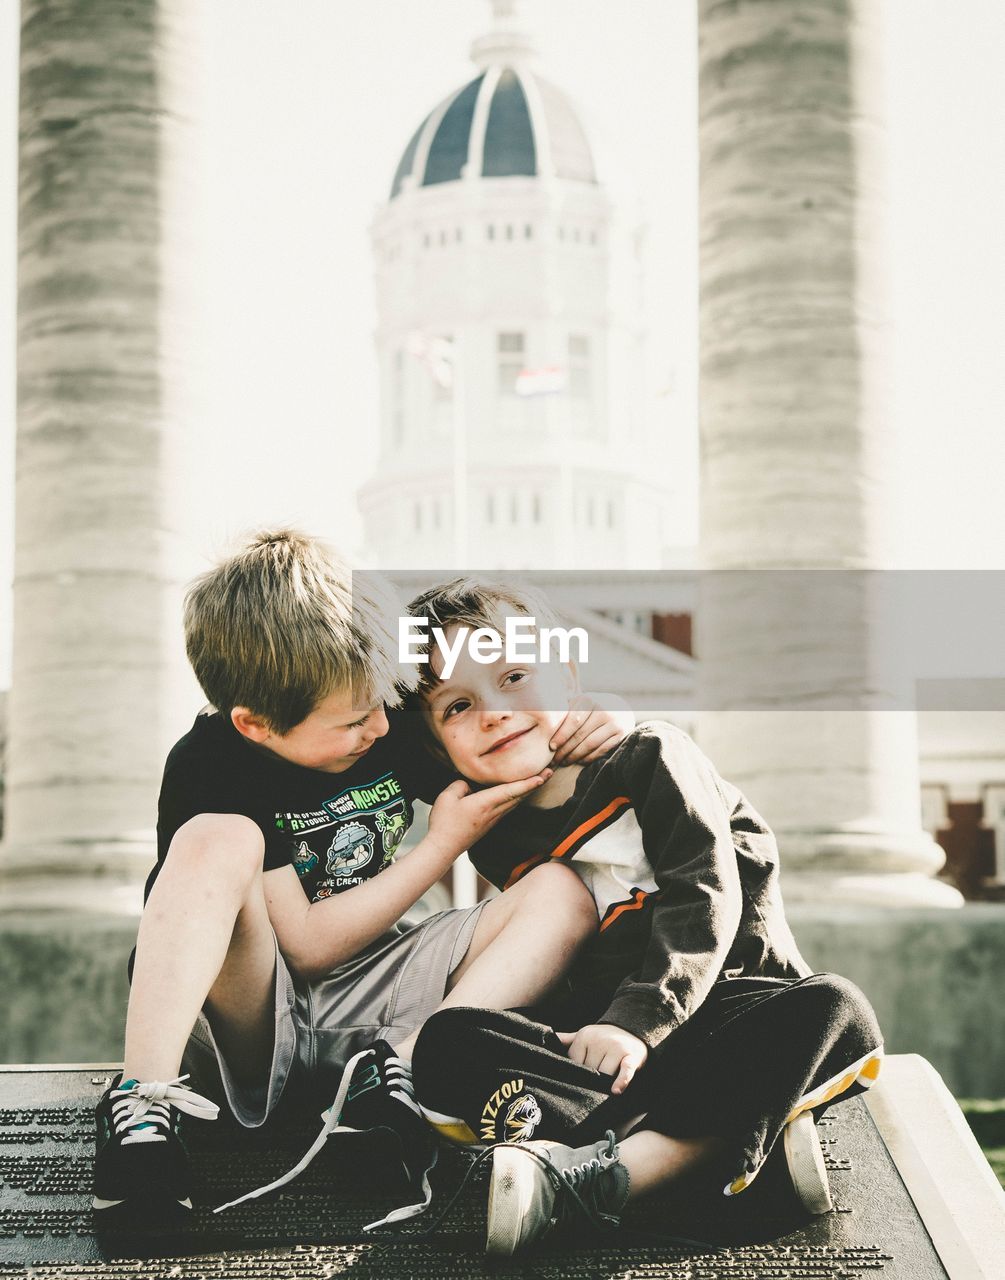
(608, 1049)
(461, 816)
(591, 729)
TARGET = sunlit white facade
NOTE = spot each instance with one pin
(512, 431)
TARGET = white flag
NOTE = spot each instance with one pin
(436, 354)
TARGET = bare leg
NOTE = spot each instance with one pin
(204, 938)
(653, 1160)
(522, 944)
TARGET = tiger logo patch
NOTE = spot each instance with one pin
(511, 1114)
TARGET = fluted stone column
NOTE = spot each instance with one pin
(104, 257)
(801, 698)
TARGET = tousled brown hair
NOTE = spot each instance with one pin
(282, 624)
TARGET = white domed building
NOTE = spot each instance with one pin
(512, 431)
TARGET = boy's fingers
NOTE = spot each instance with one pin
(458, 788)
(566, 1037)
(508, 793)
(569, 727)
(593, 745)
(626, 1074)
(577, 1051)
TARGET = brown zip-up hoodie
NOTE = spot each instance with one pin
(684, 872)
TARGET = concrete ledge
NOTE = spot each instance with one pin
(951, 1183)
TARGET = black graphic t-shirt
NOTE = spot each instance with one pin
(336, 829)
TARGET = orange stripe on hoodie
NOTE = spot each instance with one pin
(639, 900)
(573, 838)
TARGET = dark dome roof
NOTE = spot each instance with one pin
(506, 122)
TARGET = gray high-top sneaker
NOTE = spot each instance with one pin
(537, 1186)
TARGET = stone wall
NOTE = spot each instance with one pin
(934, 977)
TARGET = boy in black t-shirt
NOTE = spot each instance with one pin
(269, 951)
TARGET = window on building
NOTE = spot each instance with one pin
(528, 232)
(593, 237)
(511, 349)
(576, 236)
(426, 241)
(459, 234)
(443, 238)
(561, 233)
(580, 374)
(509, 231)
(490, 231)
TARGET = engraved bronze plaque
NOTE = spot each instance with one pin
(313, 1228)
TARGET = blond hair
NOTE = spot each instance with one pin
(283, 624)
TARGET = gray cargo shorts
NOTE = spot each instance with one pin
(386, 992)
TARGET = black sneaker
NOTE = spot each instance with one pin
(375, 1093)
(140, 1161)
(537, 1187)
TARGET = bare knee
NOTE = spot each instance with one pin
(216, 849)
(560, 890)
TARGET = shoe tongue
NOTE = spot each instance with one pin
(383, 1050)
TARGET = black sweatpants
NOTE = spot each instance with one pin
(755, 1054)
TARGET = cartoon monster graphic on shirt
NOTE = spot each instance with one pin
(351, 849)
(392, 825)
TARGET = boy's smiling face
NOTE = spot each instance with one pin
(334, 737)
(495, 720)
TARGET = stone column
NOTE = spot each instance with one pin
(797, 452)
(104, 257)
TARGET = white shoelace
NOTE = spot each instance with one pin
(398, 1073)
(142, 1112)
